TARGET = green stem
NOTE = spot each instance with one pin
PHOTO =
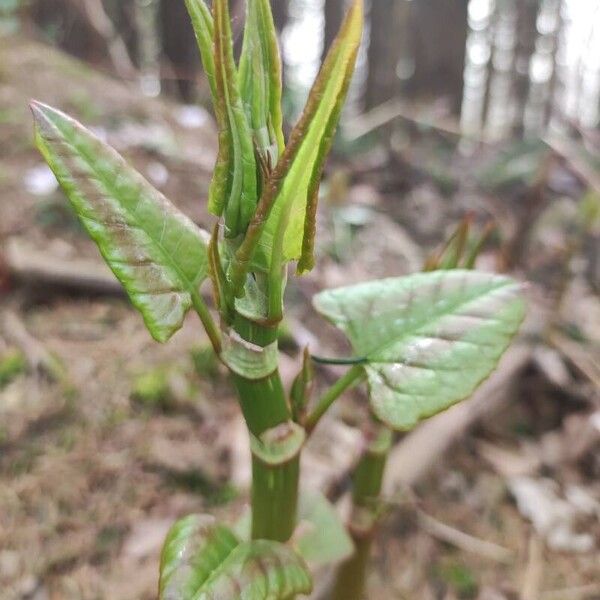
(274, 499)
(351, 378)
(208, 322)
(351, 578)
(265, 407)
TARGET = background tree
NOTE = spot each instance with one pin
(181, 64)
(333, 14)
(439, 35)
(385, 49)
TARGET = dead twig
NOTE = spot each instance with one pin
(464, 541)
(534, 573)
(394, 109)
(583, 360)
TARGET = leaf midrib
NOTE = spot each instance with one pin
(413, 331)
(82, 151)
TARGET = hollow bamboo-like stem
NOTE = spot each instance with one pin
(265, 407)
(351, 578)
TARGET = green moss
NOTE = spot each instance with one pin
(12, 364)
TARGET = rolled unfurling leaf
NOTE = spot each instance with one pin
(155, 251)
(204, 28)
(283, 227)
(428, 339)
(233, 192)
(260, 80)
(203, 560)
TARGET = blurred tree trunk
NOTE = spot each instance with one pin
(66, 22)
(122, 13)
(181, 59)
(493, 27)
(439, 30)
(334, 14)
(526, 37)
(388, 24)
(280, 13)
(554, 85)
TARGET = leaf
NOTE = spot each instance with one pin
(322, 538)
(429, 339)
(154, 250)
(233, 191)
(203, 25)
(283, 226)
(260, 79)
(203, 560)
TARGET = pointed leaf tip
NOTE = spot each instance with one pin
(283, 228)
(154, 250)
(430, 338)
(233, 191)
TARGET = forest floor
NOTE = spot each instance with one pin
(106, 437)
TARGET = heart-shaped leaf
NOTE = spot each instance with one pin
(155, 251)
(203, 560)
(429, 339)
(321, 537)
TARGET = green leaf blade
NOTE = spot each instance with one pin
(283, 227)
(154, 250)
(261, 80)
(203, 25)
(233, 191)
(195, 546)
(294, 211)
(203, 560)
(429, 339)
(259, 570)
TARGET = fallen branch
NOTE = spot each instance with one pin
(464, 541)
(394, 109)
(40, 268)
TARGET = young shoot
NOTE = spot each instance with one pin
(424, 341)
